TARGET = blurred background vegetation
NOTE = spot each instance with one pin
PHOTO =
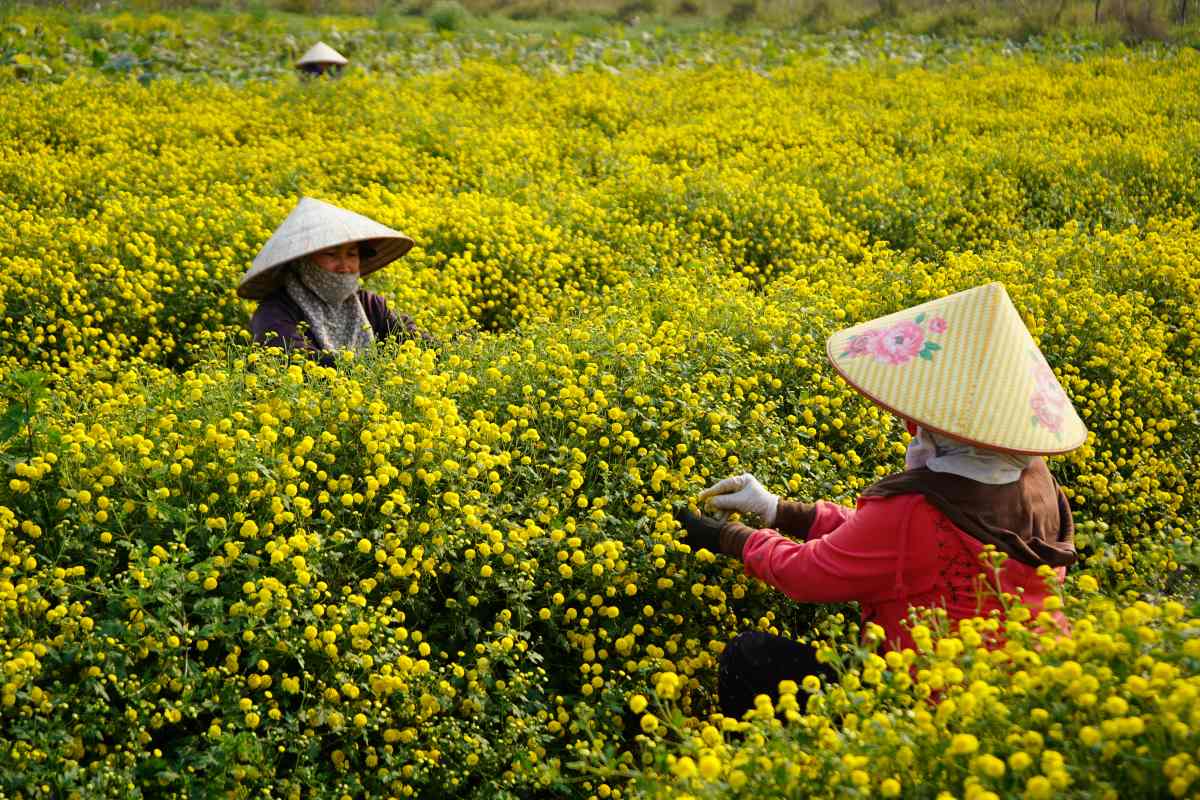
(1105, 20)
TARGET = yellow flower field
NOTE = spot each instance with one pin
(452, 571)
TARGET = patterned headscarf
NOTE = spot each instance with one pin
(330, 303)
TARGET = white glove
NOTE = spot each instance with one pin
(745, 494)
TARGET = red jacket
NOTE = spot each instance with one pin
(889, 554)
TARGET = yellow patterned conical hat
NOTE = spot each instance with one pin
(964, 366)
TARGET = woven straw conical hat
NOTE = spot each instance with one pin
(964, 366)
(321, 53)
(311, 227)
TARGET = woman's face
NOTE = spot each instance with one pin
(342, 259)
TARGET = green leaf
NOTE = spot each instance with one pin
(13, 420)
(920, 318)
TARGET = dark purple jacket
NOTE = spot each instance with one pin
(278, 318)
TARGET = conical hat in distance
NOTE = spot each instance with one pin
(964, 366)
(311, 227)
(321, 53)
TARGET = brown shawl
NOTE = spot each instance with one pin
(1028, 519)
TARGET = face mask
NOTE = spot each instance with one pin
(334, 288)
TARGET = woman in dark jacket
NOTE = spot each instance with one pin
(307, 281)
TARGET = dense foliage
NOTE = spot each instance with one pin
(451, 571)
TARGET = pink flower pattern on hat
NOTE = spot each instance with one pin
(898, 343)
(861, 345)
(1048, 400)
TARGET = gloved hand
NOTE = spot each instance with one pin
(702, 532)
(745, 494)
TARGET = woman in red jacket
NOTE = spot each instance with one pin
(983, 407)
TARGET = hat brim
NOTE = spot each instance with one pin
(383, 252)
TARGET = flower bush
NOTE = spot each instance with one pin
(1110, 711)
(453, 571)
